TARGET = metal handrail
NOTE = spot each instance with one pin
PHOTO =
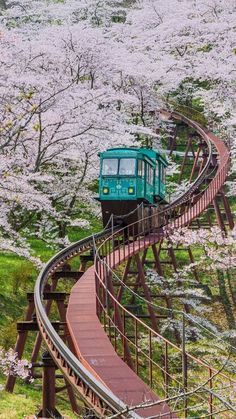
(104, 267)
(155, 333)
(109, 321)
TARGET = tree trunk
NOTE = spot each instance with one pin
(61, 229)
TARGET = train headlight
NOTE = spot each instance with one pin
(131, 190)
(105, 191)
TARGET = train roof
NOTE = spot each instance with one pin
(134, 151)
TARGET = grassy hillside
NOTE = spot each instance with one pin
(17, 276)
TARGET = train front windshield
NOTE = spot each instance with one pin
(127, 167)
(110, 167)
(122, 167)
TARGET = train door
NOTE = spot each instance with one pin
(157, 179)
(141, 189)
(149, 183)
(162, 179)
(145, 180)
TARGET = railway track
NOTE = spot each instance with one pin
(86, 364)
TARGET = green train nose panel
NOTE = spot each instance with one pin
(118, 189)
(132, 174)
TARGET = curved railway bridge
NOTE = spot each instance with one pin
(111, 354)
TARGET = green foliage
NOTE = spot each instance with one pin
(190, 112)
(205, 48)
(17, 276)
(22, 278)
(119, 17)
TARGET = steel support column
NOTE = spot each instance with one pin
(38, 340)
(49, 389)
(219, 217)
(71, 395)
(228, 212)
(146, 292)
(189, 143)
(20, 345)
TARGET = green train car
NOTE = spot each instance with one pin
(129, 176)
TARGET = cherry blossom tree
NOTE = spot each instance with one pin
(216, 263)
(219, 249)
(62, 111)
(78, 78)
(10, 364)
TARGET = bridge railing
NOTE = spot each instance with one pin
(175, 370)
(194, 384)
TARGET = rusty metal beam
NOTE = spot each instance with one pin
(219, 217)
(49, 389)
(185, 157)
(228, 211)
(146, 291)
(20, 345)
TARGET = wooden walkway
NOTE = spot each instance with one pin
(97, 354)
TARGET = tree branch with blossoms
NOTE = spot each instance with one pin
(10, 364)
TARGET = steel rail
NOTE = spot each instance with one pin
(93, 391)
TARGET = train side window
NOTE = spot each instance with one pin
(149, 174)
(109, 167)
(162, 173)
(140, 168)
(160, 170)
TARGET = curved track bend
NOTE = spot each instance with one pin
(103, 380)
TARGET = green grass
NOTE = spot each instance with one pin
(26, 401)
(17, 276)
